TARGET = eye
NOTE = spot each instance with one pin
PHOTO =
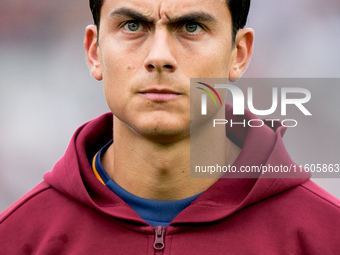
(133, 26)
(191, 27)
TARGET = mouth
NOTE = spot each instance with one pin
(160, 95)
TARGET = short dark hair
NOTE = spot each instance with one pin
(239, 10)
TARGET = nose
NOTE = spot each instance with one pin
(160, 57)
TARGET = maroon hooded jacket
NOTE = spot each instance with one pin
(71, 212)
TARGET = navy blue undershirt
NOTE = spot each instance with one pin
(153, 212)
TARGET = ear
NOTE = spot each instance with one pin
(241, 53)
(92, 52)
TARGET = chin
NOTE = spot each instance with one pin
(165, 133)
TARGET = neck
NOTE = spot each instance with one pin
(162, 171)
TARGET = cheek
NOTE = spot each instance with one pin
(113, 84)
(212, 60)
(118, 70)
(118, 87)
(117, 59)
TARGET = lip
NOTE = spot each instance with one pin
(160, 95)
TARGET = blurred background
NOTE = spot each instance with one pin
(46, 90)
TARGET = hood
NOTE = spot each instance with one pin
(73, 176)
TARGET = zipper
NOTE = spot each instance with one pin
(159, 238)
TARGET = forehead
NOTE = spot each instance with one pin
(158, 9)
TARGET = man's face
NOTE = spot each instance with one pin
(149, 49)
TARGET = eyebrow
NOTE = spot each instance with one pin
(190, 17)
(131, 13)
